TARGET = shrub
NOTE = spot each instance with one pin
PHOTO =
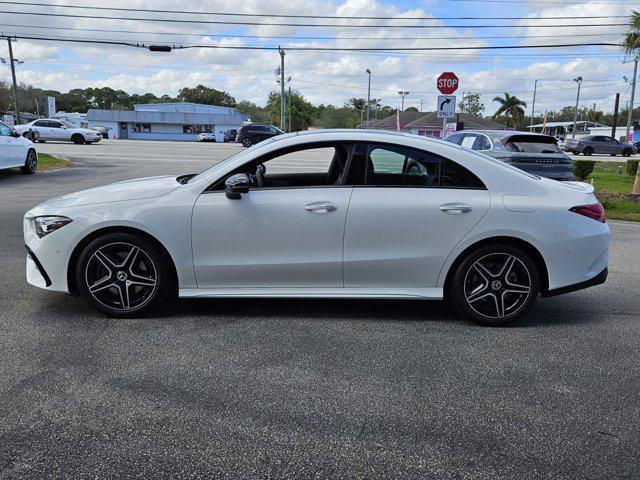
(583, 168)
(632, 167)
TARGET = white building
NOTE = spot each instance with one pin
(167, 121)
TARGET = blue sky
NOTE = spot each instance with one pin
(329, 77)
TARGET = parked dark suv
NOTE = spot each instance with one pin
(253, 133)
(531, 152)
(599, 144)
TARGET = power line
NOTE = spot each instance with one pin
(321, 49)
(281, 15)
(528, 2)
(282, 37)
(305, 25)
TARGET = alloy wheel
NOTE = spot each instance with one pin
(497, 285)
(121, 276)
(32, 161)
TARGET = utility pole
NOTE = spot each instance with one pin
(282, 100)
(616, 106)
(290, 107)
(12, 64)
(368, 98)
(578, 80)
(533, 106)
(633, 94)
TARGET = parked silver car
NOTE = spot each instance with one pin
(599, 144)
(531, 152)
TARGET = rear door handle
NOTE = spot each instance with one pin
(456, 207)
(320, 207)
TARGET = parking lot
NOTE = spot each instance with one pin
(301, 388)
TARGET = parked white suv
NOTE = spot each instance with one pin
(16, 151)
(52, 129)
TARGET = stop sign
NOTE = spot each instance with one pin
(447, 83)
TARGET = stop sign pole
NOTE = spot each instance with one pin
(447, 83)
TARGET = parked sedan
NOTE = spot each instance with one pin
(533, 153)
(206, 137)
(60, 130)
(330, 214)
(600, 144)
(16, 151)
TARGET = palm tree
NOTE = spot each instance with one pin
(512, 107)
(631, 46)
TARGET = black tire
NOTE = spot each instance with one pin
(614, 154)
(41, 141)
(30, 164)
(588, 151)
(77, 138)
(627, 152)
(121, 270)
(246, 142)
(488, 295)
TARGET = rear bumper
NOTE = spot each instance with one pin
(597, 280)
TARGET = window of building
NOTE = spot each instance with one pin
(142, 127)
(197, 129)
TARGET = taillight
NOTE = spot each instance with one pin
(594, 211)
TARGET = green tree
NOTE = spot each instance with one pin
(206, 95)
(512, 107)
(302, 112)
(256, 113)
(470, 103)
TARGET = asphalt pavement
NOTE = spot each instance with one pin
(306, 389)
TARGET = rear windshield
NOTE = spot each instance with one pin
(533, 147)
(532, 144)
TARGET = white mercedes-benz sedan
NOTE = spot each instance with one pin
(329, 214)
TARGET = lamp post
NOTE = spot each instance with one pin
(12, 64)
(368, 97)
(402, 93)
(633, 94)
(578, 80)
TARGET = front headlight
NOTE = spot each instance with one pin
(48, 224)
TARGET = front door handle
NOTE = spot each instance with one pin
(320, 207)
(456, 207)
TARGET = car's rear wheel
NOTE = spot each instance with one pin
(588, 151)
(123, 275)
(77, 138)
(614, 154)
(30, 164)
(495, 285)
(246, 142)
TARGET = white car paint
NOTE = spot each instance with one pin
(378, 242)
(206, 137)
(59, 130)
(13, 150)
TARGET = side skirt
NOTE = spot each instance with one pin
(424, 293)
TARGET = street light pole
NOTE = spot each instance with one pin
(402, 93)
(633, 94)
(282, 100)
(575, 112)
(12, 64)
(368, 97)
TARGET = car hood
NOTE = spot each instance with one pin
(117, 192)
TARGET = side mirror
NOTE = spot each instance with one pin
(15, 134)
(236, 185)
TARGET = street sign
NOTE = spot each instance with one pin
(447, 83)
(51, 106)
(446, 106)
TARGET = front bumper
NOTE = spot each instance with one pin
(36, 274)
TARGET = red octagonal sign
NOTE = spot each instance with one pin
(447, 83)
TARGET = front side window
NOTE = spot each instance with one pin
(396, 166)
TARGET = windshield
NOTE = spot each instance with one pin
(233, 157)
(68, 124)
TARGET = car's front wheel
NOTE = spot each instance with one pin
(246, 142)
(123, 275)
(627, 152)
(588, 151)
(495, 285)
(30, 164)
(77, 138)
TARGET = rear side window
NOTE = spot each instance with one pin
(394, 166)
